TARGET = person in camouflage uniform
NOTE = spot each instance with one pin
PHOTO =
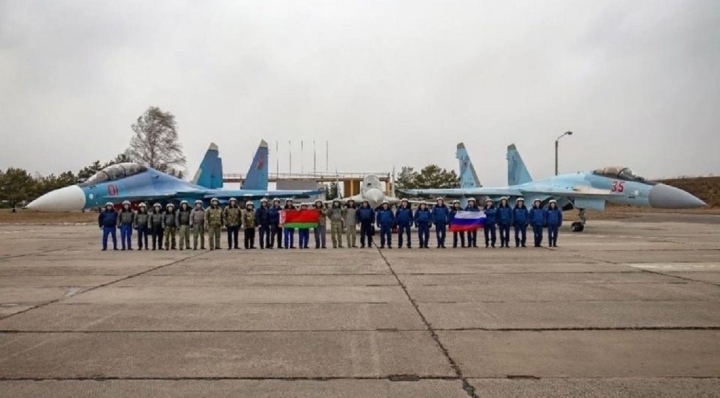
(197, 224)
(183, 222)
(350, 217)
(248, 221)
(335, 214)
(232, 215)
(155, 224)
(214, 221)
(141, 225)
(126, 219)
(170, 226)
(320, 231)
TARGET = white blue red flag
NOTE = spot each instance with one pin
(467, 221)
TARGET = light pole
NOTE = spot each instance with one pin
(556, 149)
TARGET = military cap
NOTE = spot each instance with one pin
(109, 204)
(248, 203)
(214, 200)
(198, 201)
(553, 201)
(520, 199)
(232, 200)
(157, 205)
(142, 205)
(169, 205)
(263, 200)
(125, 202)
(472, 200)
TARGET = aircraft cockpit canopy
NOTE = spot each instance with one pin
(114, 172)
(620, 173)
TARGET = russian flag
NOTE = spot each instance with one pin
(467, 221)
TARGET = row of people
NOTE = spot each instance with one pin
(171, 224)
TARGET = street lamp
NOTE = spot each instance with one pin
(556, 149)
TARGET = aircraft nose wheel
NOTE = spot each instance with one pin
(577, 226)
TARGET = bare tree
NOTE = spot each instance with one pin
(155, 143)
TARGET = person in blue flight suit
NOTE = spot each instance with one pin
(303, 233)
(490, 221)
(275, 230)
(521, 218)
(404, 220)
(472, 235)
(262, 219)
(455, 209)
(504, 220)
(126, 218)
(366, 216)
(385, 219)
(423, 220)
(440, 217)
(289, 233)
(107, 221)
(554, 218)
(537, 220)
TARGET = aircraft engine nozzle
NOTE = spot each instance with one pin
(666, 197)
(63, 199)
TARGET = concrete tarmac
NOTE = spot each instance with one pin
(624, 309)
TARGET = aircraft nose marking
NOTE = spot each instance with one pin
(666, 197)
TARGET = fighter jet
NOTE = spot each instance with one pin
(372, 191)
(135, 183)
(210, 172)
(582, 190)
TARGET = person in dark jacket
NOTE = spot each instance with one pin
(455, 209)
(366, 216)
(554, 219)
(490, 220)
(521, 218)
(262, 219)
(141, 226)
(126, 219)
(440, 218)
(504, 220)
(537, 220)
(385, 219)
(107, 221)
(472, 235)
(404, 220)
(182, 219)
(155, 224)
(289, 233)
(232, 215)
(275, 230)
(423, 221)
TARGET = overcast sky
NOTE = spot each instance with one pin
(388, 83)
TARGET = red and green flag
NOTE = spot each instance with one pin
(301, 219)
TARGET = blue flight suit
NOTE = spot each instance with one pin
(366, 216)
(453, 212)
(423, 219)
(504, 220)
(404, 220)
(490, 221)
(554, 220)
(107, 220)
(440, 217)
(303, 237)
(275, 229)
(262, 219)
(385, 219)
(521, 218)
(472, 235)
(537, 220)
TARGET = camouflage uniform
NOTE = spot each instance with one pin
(336, 225)
(197, 224)
(232, 216)
(248, 221)
(320, 232)
(214, 220)
(183, 221)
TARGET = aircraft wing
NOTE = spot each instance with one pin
(251, 194)
(357, 198)
(572, 191)
(462, 192)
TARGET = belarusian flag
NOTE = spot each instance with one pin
(301, 219)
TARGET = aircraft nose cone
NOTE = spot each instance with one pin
(63, 199)
(374, 196)
(666, 197)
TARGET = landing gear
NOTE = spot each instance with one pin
(579, 226)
